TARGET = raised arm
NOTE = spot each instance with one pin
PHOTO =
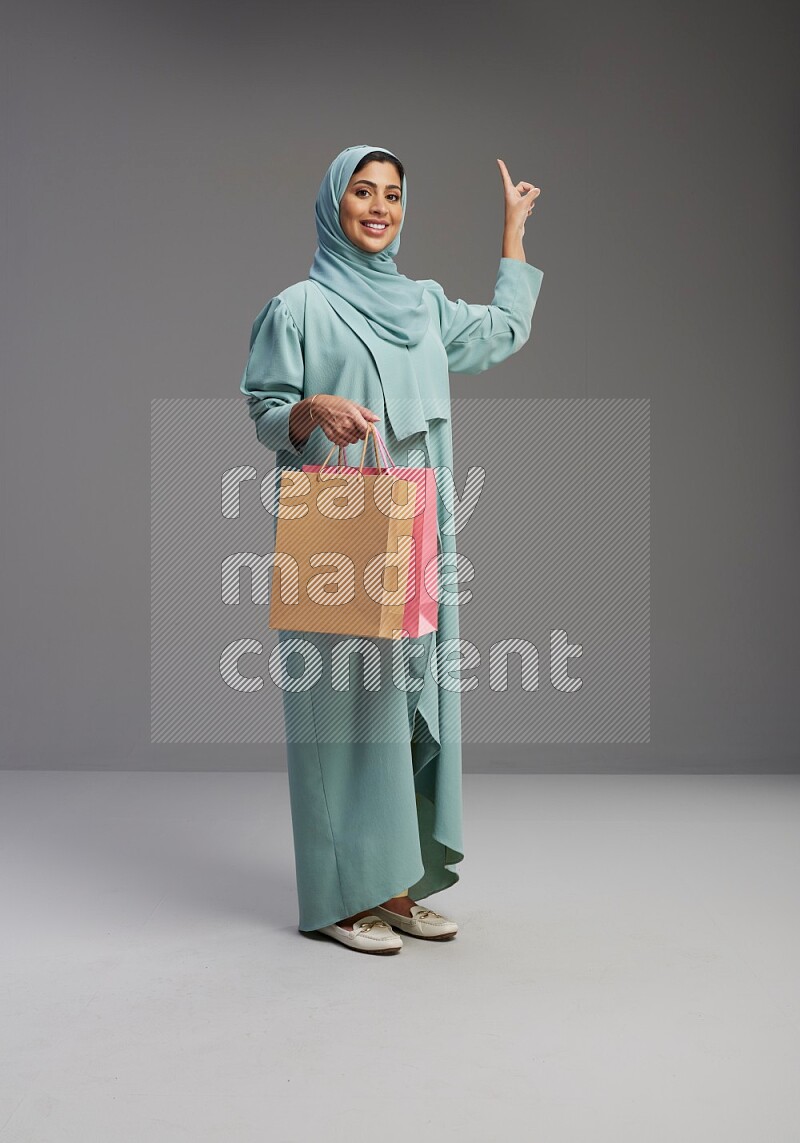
(476, 337)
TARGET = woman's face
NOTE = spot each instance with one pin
(372, 196)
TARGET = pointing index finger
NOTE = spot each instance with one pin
(505, 176)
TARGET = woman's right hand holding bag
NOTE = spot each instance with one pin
(342, 421)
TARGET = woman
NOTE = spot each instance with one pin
(375, 774)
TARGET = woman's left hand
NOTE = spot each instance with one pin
(520, 201)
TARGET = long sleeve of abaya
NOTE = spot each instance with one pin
(273, 377)
(476, 337)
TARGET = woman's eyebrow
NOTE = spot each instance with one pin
(389, 186)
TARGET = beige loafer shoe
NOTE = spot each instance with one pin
(370, 934)
(423, 923)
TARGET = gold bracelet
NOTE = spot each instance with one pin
(311, 407)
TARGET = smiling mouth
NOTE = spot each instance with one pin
(376, 227)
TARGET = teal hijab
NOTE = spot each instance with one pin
(392, 304)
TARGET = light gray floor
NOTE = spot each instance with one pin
(626, 970)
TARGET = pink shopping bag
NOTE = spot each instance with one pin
(421, 611)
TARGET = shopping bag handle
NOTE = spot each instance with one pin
(377, 441)
(342, 458)
(371, 435)
(342, 462)
(391, 463)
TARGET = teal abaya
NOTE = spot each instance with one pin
(375, 774)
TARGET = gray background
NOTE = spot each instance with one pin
(160, 170)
